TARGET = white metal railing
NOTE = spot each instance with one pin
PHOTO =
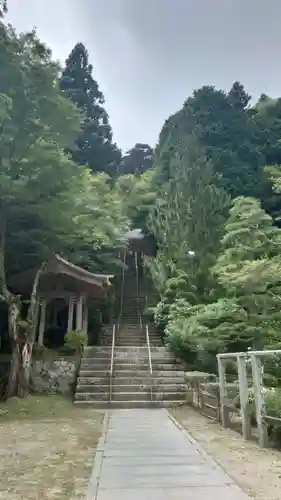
(122, 287)
(138, 295)
(149, 360)
(112, 361)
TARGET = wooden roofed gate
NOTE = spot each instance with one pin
(55, 279)
(67, 283)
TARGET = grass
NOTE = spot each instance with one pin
(38, 407)
(47, 448)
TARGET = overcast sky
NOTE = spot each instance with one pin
(149, 55)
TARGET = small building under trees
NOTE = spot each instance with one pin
(64, 294)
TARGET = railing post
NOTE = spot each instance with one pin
(112, 362)
(243, 393)
(259, 399)
(222, 384)
(149, 360)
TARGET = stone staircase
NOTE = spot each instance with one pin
(132, 384)
(93, 384)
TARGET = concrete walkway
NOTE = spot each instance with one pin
(145, 456)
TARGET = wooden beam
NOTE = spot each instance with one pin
(243, 393)
(259, 399)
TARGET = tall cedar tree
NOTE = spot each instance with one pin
(188, 216)
(94, 146)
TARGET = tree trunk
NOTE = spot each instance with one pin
(14, 309)
(22, 335)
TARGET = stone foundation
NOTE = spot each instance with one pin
(54, 376)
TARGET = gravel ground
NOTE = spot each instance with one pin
(48, 459)
(256, 471)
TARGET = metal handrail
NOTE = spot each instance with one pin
(149, 360)
(122, 287)
(137, 285)
(112, 361)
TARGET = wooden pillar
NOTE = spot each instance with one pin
(70, 326)
(243, 393)
(224, 414)
(259, 399)
(79, 313)
(85, 315)
(42, 322)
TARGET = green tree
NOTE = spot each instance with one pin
(137, 160)
(249, 267)
(187, 221)
(47, 202)
(247, 313)
(225, 128)
(138, 197)
(94, 146)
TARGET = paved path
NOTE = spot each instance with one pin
(145, 456)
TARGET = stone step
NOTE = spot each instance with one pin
(131, 396)
(87, 388)
(100, 405)
(99, 362)
(93, 373)
(145, 387)
(93, 352)
(93, 381)
(131, 372)
(140, 372)
(120, 362)
(138, 380)
(102, 369)
(134, 366)
(104, 356)
(92, 396)
(143, 395)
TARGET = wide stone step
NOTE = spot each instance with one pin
(145, 387)
(93, 352)
(92, 388)
(126, 343)
(99, 357)
(92, 396)
(131, 372)
(98, 362)
(131, 396)
(165, 366)
(89, 380)
(101, 405)
(123, 365)
(139, 380)
(92, 365)
(94, 373)
(168, 373)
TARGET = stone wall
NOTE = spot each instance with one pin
(55, 376)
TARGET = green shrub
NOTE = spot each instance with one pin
(75, 341)
(272, 399)
(41, 352)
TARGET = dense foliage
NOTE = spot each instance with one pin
(209, 196)
(48, 203)
(137, 160)
(217, 183)
(93, 146)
